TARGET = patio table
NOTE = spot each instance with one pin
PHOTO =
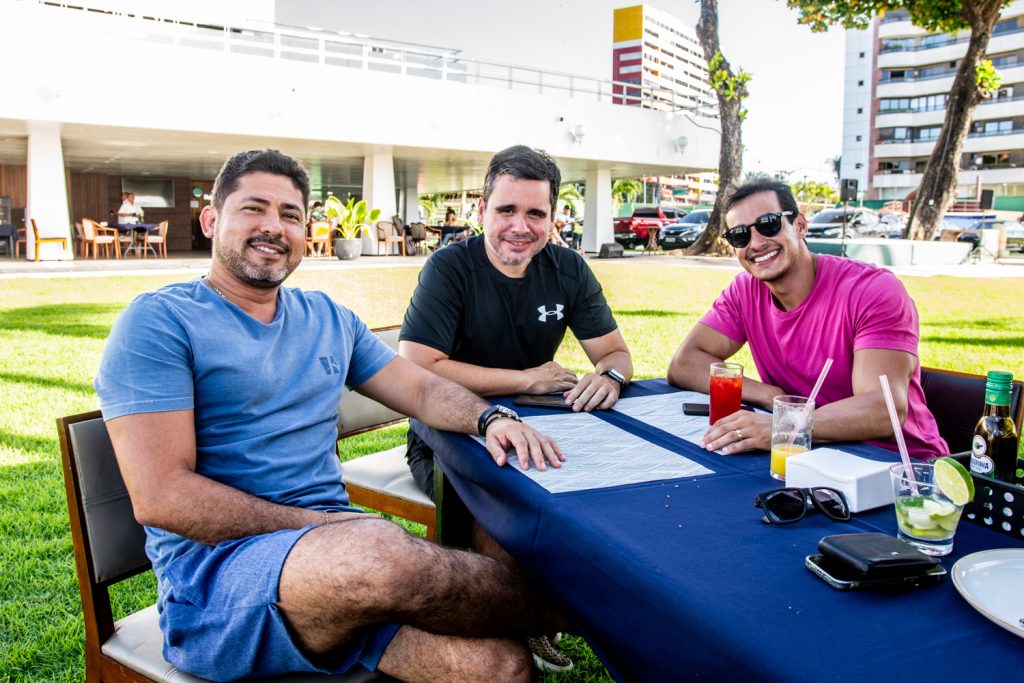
(132, 228)
(678, 579)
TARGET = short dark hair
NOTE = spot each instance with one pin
(258, 161)
(523, 163)
(786, 199)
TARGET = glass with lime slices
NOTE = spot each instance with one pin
(928, 507)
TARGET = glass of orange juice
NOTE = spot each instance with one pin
(792, 424)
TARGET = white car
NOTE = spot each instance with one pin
(859, 222)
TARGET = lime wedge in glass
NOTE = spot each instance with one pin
(954, 481)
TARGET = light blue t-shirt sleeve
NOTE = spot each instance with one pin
(147, 363)
(369, 353)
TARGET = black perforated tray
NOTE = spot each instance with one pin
(996, 505)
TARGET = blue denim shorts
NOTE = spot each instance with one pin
(220, 620)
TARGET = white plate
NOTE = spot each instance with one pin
(992, 581)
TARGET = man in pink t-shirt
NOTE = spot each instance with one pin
(797, 309)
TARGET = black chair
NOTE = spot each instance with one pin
(957, 399)
(109, 547)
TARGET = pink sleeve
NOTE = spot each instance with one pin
(886, 317)
(725, 315)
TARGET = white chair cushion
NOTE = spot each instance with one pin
(386, 472)
(138, 644)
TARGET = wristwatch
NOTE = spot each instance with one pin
(615, 375)
(492, 414)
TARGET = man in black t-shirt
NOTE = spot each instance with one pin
(490, 312)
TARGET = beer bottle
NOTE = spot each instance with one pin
(994, 447)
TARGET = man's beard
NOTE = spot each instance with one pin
(515, 259)
(264, 277)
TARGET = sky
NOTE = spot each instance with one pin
(795, 105)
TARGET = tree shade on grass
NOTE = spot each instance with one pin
(53, 333)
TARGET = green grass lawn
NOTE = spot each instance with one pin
(53, 330)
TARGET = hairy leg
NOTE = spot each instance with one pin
(416, 655)
(365, 570)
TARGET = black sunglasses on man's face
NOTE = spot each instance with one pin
(768, 225)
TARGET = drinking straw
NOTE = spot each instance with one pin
(897, 430)
(810, 402)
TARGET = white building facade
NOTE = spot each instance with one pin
(165, 91)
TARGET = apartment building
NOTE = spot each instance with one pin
(661, 55)
(656, 50)
(897, 82)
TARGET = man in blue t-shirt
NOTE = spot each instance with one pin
(221, 396)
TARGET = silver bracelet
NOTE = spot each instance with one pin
(327, 517)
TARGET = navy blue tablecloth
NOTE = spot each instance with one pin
(680, 580)
(129, 227)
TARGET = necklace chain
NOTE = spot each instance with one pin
(208, 281)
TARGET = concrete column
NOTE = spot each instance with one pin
(412, 202)
(47, 192)
(597, 223)
(378, 190)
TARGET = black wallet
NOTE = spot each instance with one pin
(876, 555)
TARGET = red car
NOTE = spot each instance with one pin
(633, 232)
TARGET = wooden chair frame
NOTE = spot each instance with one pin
(385, 236)
(63, 241)
(161, 233)
(91, 226)
(96, 610)
(376, 500)
(319, 244)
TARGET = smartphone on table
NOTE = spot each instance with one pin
(552, 401)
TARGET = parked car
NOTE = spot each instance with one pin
(1015, 236)
(1014, 233)
(891, 225)
(685, 232)
(859, 222)
(633, 231)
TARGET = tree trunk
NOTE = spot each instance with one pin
(730, 154)
(939, 182)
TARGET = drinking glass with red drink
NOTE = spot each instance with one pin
(726, 390)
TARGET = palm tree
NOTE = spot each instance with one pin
(627, 189)
(570, 194)
(430, 203)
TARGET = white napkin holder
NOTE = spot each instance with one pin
(866, 483)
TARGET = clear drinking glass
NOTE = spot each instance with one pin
(726, 390)
(925, 518)
(792, 424)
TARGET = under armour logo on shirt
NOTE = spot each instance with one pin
(331, 366)
(545, 313)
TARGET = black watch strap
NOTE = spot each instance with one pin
(615, 375)
(493, 413)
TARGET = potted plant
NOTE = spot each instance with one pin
(349, 221)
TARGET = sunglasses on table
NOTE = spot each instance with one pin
(768, 225)
(785, 506)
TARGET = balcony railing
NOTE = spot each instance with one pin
(921, 110)
(978, 134)
(950, 40)
(926, 46)
(337, 49)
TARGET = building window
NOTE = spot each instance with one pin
(860, 110)
(860, 83)
(859, 137)
(862, 55)
(858, 165)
